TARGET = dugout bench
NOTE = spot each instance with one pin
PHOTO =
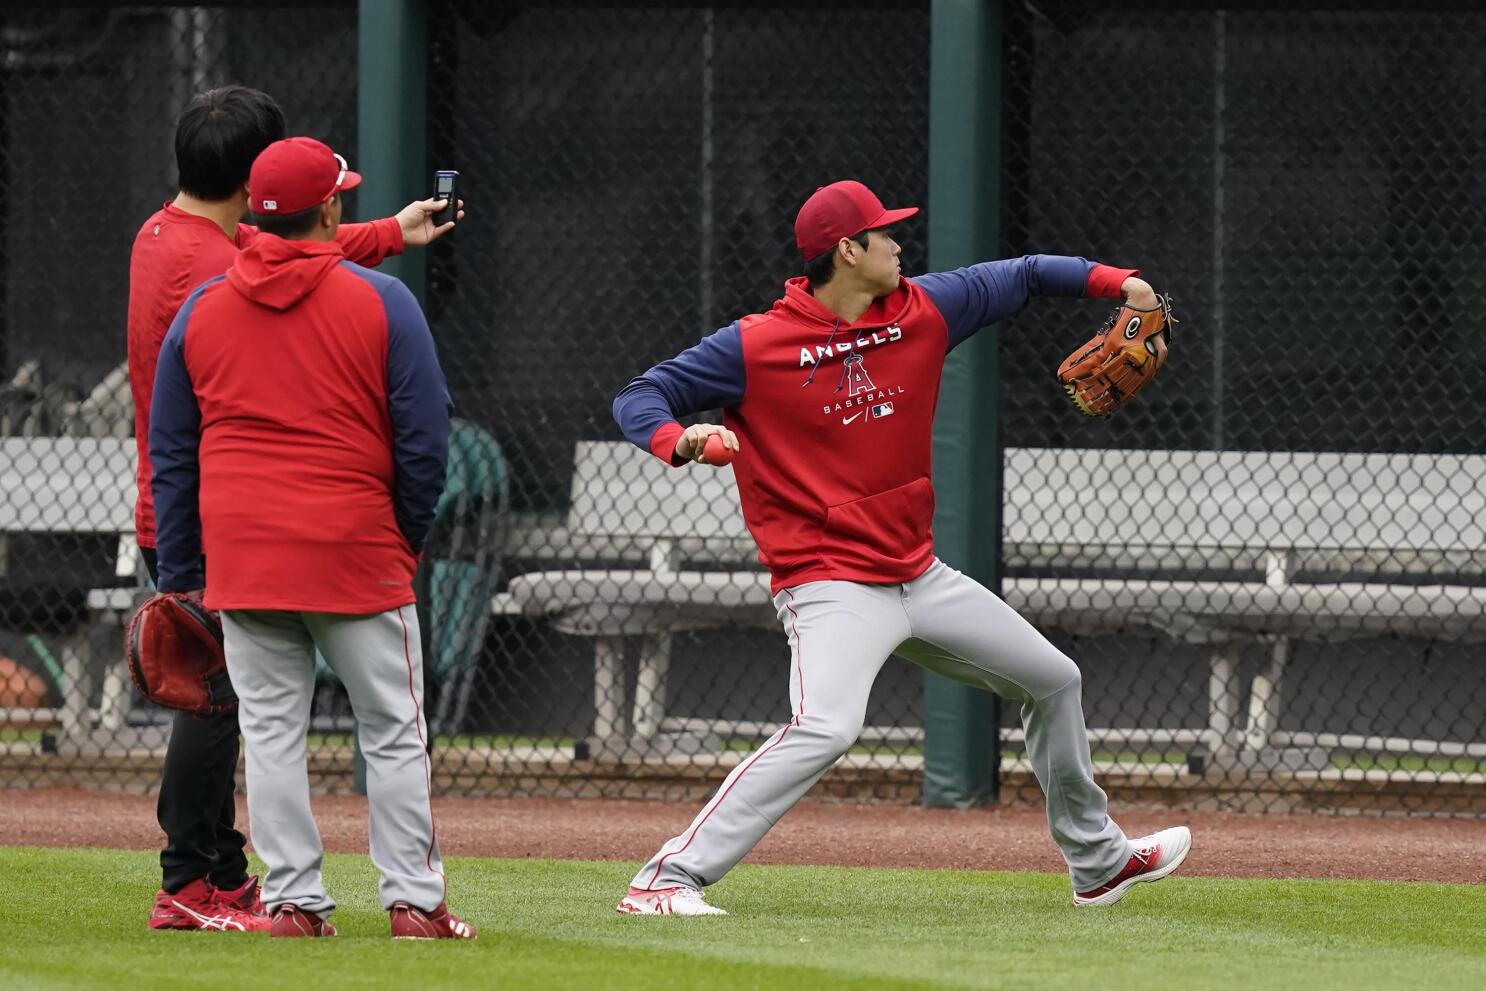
(1221, 548)
(80, 489)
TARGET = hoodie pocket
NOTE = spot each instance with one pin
(891, 525)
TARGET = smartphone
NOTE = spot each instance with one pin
(445, 187)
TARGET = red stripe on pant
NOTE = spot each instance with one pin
(800, 672)
(433, 832)
(715, 803)
(799, 653)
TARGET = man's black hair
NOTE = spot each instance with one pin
(219, 134)
(821, 268)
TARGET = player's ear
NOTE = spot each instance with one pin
(848, 250)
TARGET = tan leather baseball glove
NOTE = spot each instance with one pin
(1120, 360)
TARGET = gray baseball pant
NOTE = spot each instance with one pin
(840, 634)
(271, 660)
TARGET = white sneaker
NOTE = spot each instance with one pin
(1152, 858)
(666, 901)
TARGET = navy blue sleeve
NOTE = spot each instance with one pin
(972, 297)
(175, 471)
(706, 376)
(418, 397)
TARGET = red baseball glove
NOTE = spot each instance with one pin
(175, 655)
(1122, 359)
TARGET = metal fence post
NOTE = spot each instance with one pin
(961, 746)
(391, 68)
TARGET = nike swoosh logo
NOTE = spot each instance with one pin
(848, 419)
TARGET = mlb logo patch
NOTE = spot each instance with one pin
(881, 410)
(270, 204)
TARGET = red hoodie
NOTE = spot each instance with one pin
(299, 409)
(834, 420)
(853, 504)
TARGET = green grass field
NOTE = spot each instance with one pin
(75, 919)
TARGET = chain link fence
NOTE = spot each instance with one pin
(1270, 567)
(89, 94)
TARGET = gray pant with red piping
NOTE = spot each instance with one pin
(271, 659)
(840, 634)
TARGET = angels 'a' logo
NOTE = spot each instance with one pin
(857, 379)
(1132, 328)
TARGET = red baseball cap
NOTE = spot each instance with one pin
(842, 209)
(295, 174)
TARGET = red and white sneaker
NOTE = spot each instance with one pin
(1155, 857)
(197, 907)
(291, 921)
(414, 923)
(248, 898)
(666, 901)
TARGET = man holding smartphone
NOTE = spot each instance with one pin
(193, 238)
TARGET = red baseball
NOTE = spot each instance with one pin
(715, 451)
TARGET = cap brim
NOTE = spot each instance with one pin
(352, 180)
(890, 217)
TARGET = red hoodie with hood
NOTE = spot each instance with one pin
(299, 403)
(173, 253)
(835, 420)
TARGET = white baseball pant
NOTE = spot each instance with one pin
(840, 634)
(271, 660)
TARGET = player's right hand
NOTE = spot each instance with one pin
(416, 221)
(689, 445)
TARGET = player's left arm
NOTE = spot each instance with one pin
(975, 296)
(419, 402)
(175, 440)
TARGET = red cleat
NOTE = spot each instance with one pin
(414, 923)
(1155, 857)
(248, 898)
(291, 921)
(198, 907)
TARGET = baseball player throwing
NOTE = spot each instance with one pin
(828, 405)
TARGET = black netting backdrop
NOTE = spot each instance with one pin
(1270, 566)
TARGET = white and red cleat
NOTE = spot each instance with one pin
(1154, 857)
(196, 906)
(666, 901)
(291, 921)
(409, 922)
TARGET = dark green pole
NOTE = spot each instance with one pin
(391, 55)
(392, 41)
(961, 748)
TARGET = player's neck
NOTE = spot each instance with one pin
(224, 213)
(843, 299)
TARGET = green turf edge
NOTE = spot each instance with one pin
(75, 919)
